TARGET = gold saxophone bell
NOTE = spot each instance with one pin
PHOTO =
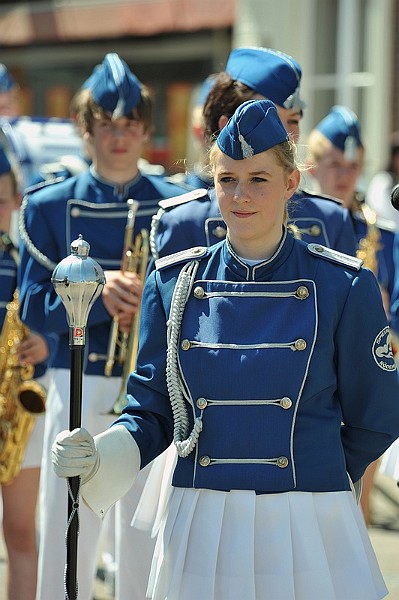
(21, 398)
(122, 346)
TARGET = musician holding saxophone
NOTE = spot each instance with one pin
(115, 116)
(336, 155)
(21, 430)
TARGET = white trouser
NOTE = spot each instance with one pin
(133, 548)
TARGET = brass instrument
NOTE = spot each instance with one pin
(21, 398)
(122, 346)
(369, 245)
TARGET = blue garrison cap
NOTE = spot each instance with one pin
(254, 128)
(7, 82)
(114, 87)
(87, 84)
(341, 126)
(271, 73)
(5, 166)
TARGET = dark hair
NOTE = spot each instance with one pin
(225, 96)
(87, 110)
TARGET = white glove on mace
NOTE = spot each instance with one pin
(74, 453)
(107, 464)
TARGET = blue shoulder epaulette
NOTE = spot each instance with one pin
(182, 199)
(334, 256)
(42, 184)
(182, 256)
(317, 196)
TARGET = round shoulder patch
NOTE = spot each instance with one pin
(382, 351)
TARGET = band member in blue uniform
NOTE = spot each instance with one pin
(335, 158)
(253, 73)
(262, 506)
(117, 122)
(19, 477)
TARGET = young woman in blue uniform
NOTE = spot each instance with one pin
(19, 495)
(262, 505)
(116, 121)
(253, 73)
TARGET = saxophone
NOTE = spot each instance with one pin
(21, 398)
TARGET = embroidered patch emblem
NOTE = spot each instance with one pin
(382, 351)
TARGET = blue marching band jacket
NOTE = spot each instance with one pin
(279, 376)
(195, 220)
(51, 218)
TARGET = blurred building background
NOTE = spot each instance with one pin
(348, 50)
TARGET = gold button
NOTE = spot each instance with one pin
(302, 292)
(204, 461)
(319, 248)
(282, 462)
(198, 250)
(202, 403)
(75, 211)
(199, 292)
(315, 230)
(285, 402)
(300, 344)
(185, 345)
(219, 232)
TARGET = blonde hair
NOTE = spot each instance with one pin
(318, 145)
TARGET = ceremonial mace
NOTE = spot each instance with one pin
(78, 280)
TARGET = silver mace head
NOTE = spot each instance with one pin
(78, 280)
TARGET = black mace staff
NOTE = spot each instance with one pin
(78, 280)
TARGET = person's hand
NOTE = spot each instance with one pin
(74, 453)
(122, 296)
(33, 349)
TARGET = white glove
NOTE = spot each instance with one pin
(74, 453)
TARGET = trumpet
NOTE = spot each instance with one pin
(122, 346)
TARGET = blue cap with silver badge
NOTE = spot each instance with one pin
(5, 166)
(255, 127)
(341, 126)
(7, 82)
(271, 73)
(114, 87)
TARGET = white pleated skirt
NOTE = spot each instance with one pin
(239, 546)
